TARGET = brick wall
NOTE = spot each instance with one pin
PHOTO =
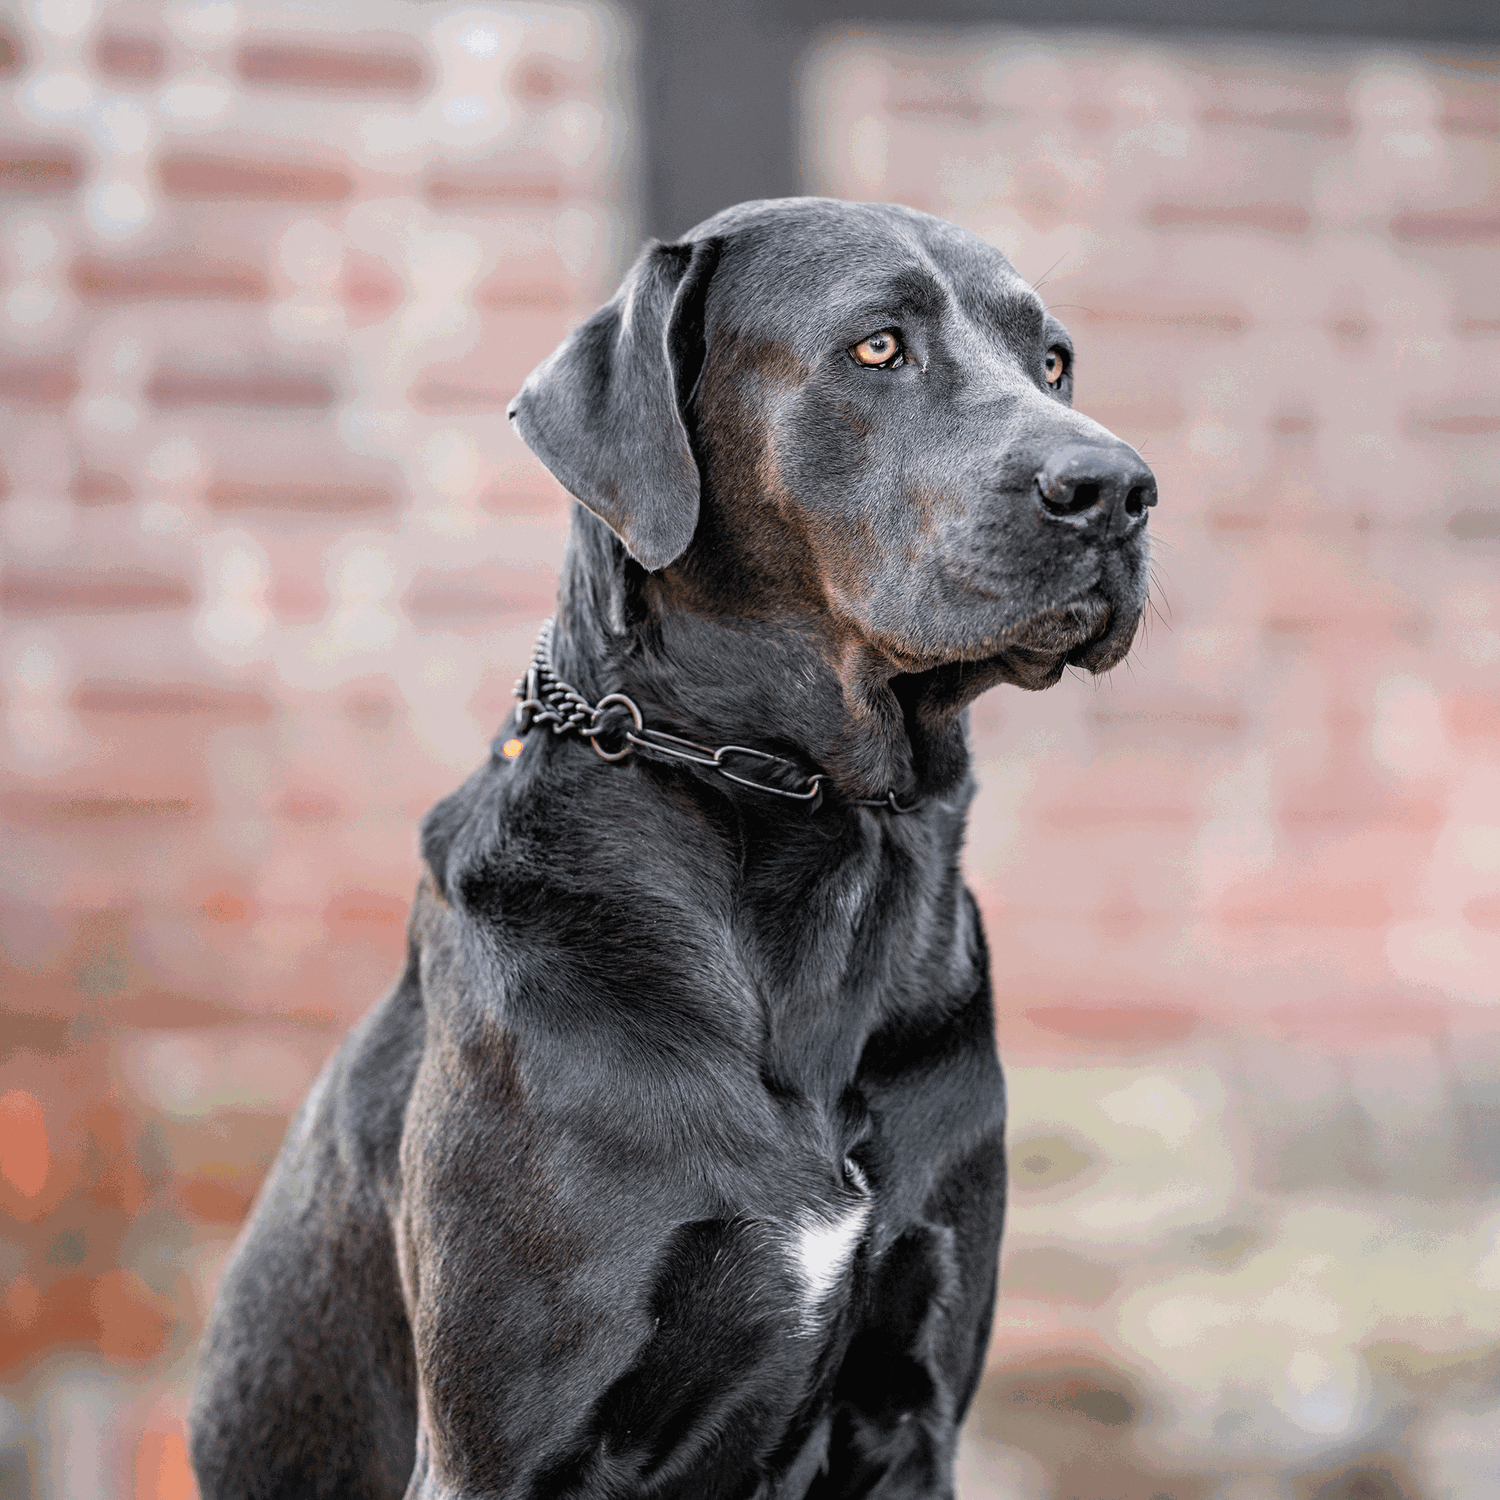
(1244, 896)
(272, 561)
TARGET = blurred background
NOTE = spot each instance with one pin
(272, 561)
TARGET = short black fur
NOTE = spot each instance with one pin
(672, 1166)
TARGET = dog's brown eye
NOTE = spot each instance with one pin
(1057, 366)
(882, 348)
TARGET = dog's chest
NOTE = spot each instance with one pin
(820, 1251)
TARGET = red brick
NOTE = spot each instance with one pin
(62, 1318)
(213, 1199)
(97, 487)
(332, 498)
(1484, 911)
(1173, 719)
(162, 1470)
(24, 1157)
(51, 381)
(1471, 715)
(1475, 525)
(54, 811)
(298, 66)
(371, 706)
(1132, 410)
(308, 807)
(199, 175)
(477, 593)
(27, 592)
(1312, 119)
(537, 81)
(111, 1176)
(1343, 808)
(1359, 905)
(503, 292)
(1351, 621)
(491, 702)
(1351, 332)
(434, 393)
(941, 107)
(227, 907)
(1082, 817)
(506, 351)
(936, 88)
(161, 1009)
(1474, 117)
(184, 275)
(172, 388)
(172, 700)
(537, 495)
(48, 1035)
(134, 1323)
(1146, 1025)
(1467, 83)
(1469, 423)
(458, 187)
(371, 289)
(1361, 1021)
(372, 910)
(1268, 218)
(1236, 520)
(297, 600)
(1107, 308)
(40, 170)
(1447, 227)
(130, 56)
(1293, 423)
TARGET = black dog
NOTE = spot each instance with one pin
(673, 1164)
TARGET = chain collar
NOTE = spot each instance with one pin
(547, 699)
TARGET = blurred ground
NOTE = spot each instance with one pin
(272, 561)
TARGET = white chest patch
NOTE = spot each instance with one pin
(821, 1253)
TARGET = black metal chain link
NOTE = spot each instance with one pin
(547, 699)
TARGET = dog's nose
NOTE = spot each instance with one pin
(1104, 487)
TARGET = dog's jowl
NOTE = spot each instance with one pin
(673, 1164)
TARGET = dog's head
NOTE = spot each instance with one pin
(860, 416)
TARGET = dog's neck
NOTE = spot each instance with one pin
(827, 922)
(786, 681)
(841, 918)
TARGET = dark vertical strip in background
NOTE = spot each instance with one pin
(719, 76)
(717, 82)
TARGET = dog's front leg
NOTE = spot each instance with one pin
(517, 1288)
(584, 1329)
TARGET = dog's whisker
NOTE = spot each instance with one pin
(1036, 286)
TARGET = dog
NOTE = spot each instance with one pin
(673, 1163)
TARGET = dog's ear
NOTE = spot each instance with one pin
(605, 410)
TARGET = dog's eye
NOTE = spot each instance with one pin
(882, 348)
(1057, 365)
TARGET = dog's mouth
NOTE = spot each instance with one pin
(1088, 632)
(1066, 631)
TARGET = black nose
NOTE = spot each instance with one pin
(1108, 488)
